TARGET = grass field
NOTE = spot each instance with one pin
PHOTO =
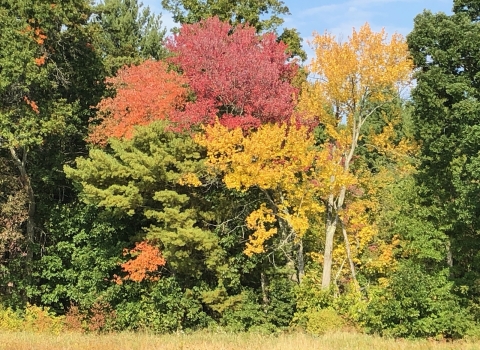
(215, 341)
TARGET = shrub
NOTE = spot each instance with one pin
(162, 307)
(417, 304)
(322, 321)
(33, 319)
(10, 320)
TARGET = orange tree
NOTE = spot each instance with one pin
(144, 93)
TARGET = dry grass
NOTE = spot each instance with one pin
(214, 341)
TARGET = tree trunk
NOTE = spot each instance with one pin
(263, 282)
(449, 255)
(27, 186)
(331, 227)
(300, 261)
(349, 255)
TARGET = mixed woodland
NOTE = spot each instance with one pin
(214, 178)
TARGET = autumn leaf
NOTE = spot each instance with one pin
(144, 93)
(354, 79)
(240, 77)
(146, 259)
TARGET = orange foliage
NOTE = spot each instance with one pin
(147, 259)
(39, 61)
(145, 93)
(40, 36)
(32, 104)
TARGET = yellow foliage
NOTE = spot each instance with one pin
(258, 221)
(35, 319)
(351, 81)
(281, 159)
(366, 67)
(189, 179)
(385, 143)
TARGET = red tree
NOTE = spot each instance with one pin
(239, 76)
(144, 93)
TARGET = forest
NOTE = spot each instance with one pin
(214, 178)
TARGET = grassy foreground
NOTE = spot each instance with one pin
(214, 341)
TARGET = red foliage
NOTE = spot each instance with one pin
(239, 76)
(146, 259)
(145, 93)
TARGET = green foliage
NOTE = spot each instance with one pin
(292, 38)
(446, 116)
(322, 321)
(310, 296)
(320, 311)
(84, 253)
(237, 12)
(129, 33)
(161, 307)
(245, 315)
(417, 303)
(149, 176)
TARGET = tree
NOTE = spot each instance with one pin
(446, 118)
(240, 77)
(155, 176)
(41, 46)
(144, 93)
(13, 212)
(146, 258)
(129, 33)
(237, 13)
(353, 80)
(282, 162)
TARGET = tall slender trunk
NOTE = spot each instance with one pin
(449, 254)
(333, 206)
(349, 254)
(300, 261)
(331, 227)
(263, 282)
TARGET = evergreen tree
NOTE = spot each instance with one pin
(446, 116)
(130, 33)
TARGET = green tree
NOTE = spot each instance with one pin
(236, 12)
(446, 116)
(156, 175)
(43, 97)
(129, 33)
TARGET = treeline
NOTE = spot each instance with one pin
(213, 179)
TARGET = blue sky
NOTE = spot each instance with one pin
(340, 16)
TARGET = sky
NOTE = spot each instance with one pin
(339, 17)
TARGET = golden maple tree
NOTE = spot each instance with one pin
(278, 159)
(352, 81)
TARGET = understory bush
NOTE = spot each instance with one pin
(417, 304)
(162, 307)
(32, 319)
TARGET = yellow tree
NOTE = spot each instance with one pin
(352, 80)
(281, 160)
